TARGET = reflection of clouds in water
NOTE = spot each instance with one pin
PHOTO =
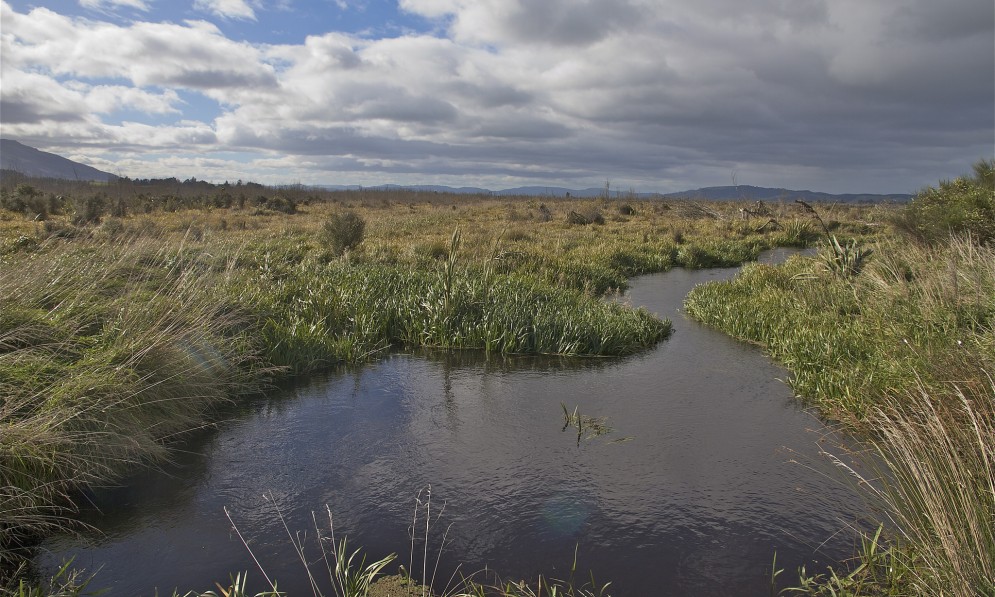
(565, 514)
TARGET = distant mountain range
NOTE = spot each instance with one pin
(768, 194)
(41, 164)
(32, 162)
(728, 193)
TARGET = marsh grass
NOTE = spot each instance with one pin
(102, 364)
(936, 484)
(341, 572)
(928, 310)
(117, 338)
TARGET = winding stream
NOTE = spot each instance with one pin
(719, 469)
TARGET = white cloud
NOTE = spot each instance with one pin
(110, 4)
(30, 98)
(226, 9)
(106, 99)
(195, 55)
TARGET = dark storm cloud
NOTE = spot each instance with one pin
(567, 22)
(21, 107)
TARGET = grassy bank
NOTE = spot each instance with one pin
(901, 347)
(130, 315)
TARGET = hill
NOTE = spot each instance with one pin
(727, 193)
(33, 162)
(752, 193)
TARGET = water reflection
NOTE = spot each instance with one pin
(696, 503)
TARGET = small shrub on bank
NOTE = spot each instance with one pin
(343, 232)
(963, 205)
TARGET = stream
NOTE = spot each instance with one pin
(707, 467)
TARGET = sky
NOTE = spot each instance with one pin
(875, 96)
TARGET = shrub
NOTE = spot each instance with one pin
(343, 232)
(544, 214)
(281, 204)
(89, 210)
(966, 204)
(591, 216)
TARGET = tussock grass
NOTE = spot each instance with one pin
(101, 364)
(939, 486)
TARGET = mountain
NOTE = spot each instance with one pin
(32, 162)
(438, 188)
(751, 193)
(731, 193)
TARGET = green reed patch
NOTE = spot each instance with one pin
(341, 312)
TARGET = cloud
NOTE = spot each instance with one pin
(506, 22)
(195, 55)
(226, 9)
(830, 94)
(107, 99)
(103, 5)
(32, 98)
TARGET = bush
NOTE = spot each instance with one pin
(343, 232)
(591, 216)
(281, 204)
(88, 210)
(966, 204)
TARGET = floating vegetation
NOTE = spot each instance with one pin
(588, 427)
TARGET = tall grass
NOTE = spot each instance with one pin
(101, 364)
(939, 486)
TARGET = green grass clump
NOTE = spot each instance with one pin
(343, 232)
(322, 313)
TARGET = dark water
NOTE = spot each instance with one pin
(695, 503)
